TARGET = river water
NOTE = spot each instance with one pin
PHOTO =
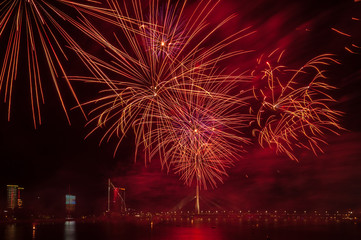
(71, 230)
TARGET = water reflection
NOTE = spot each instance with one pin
(10, 232)
(34, 231)
(199, 230)
(196, 232)
(69, 230)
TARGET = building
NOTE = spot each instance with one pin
(20, 194)
(70, 202)
(14, 197)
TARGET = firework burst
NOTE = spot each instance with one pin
(24, 24)
(294, 111)
(199, 131)
(153, 49)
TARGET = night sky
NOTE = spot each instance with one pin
(47, 160)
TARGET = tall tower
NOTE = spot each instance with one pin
(12, 196)
(197, 208)
(118, 198)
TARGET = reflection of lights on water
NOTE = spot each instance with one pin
(10, 231)
(197, 232)
(34, 230)
(69, 230)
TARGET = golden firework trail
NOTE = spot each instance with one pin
(32, 26)
(346, 31)
(155, 46)
(160, 79)
(294, 111)
(198, 133)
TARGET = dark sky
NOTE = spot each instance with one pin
(49, 159)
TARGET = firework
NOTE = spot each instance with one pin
(294, 111)
(31, 26)
(199, 132)
(152, 49)
(345, 30)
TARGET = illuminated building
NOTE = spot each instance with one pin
(14, 196)
(19, 198)
(70, 202)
